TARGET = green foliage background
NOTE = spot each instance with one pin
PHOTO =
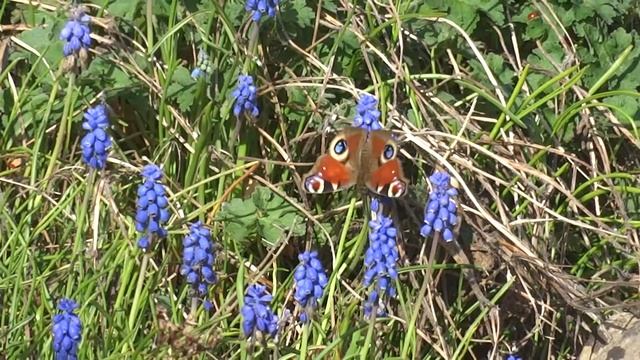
(532, 106)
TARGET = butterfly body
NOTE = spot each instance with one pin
(358, 157)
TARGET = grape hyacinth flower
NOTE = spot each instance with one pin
(67, 331)
(258, 8)
(441, 211)
(197, 73)
(311, 279)
(246, 96)
(152, 206)
(76, 33)
(380, 260)
(513, 357)
(257, 317)
(197, 260)
(96, 142)
(203, 65)
(367, 113)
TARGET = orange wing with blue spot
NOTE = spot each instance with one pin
(339, 168)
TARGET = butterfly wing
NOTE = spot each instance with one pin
(338, 169)
(383, 175)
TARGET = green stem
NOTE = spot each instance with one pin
(510, 102)
(139, 286)
(149, 24)
(194, 160)
(62, 130)
(344, 233)
(80, 231)
(194, 309)
(305, 340)
(364, 352)
(253, 46)
(411, 326)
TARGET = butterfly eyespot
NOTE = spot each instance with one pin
(388, 153)
(339, 149)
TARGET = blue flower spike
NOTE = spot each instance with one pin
(203, 65)
(198, 258)
(260, 8)
(67, 331)
(380, 261)
(76, 33)
(441, 211)
(367, 113)
(513, 357)
(197, 73)
(310, 282)
(246, 97)
(152, 207)
(96, 142)
(257, 316)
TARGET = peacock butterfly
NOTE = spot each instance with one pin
(358, 156)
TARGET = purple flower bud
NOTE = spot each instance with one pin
(259, 8)
(310, 281)
(256, 314)
(76, 33)
(440, 212)
(198, 259)
(380, 261)
(245, 97)
(367, 116)
(96, 142)
(152, 206)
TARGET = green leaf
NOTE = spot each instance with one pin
(265, 215)
(31, 111)
(619, 40)
(330, 6)
(497, 65)
(182, 88)
(536, 29)
(277, 217)
(492, 8)
(605, 52)
(108, 73)
(42, 40)
(350, 42)
(270, 231)
(238, 231)
(238, 208)
(604, 9)
(464, 14)
(239, 217)
(161, 8)
(299, 13)
(182, 75)
(234, 11)
(498, 68)
(124, 9)
(553, 49)
(629, 105)
(261, 197)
